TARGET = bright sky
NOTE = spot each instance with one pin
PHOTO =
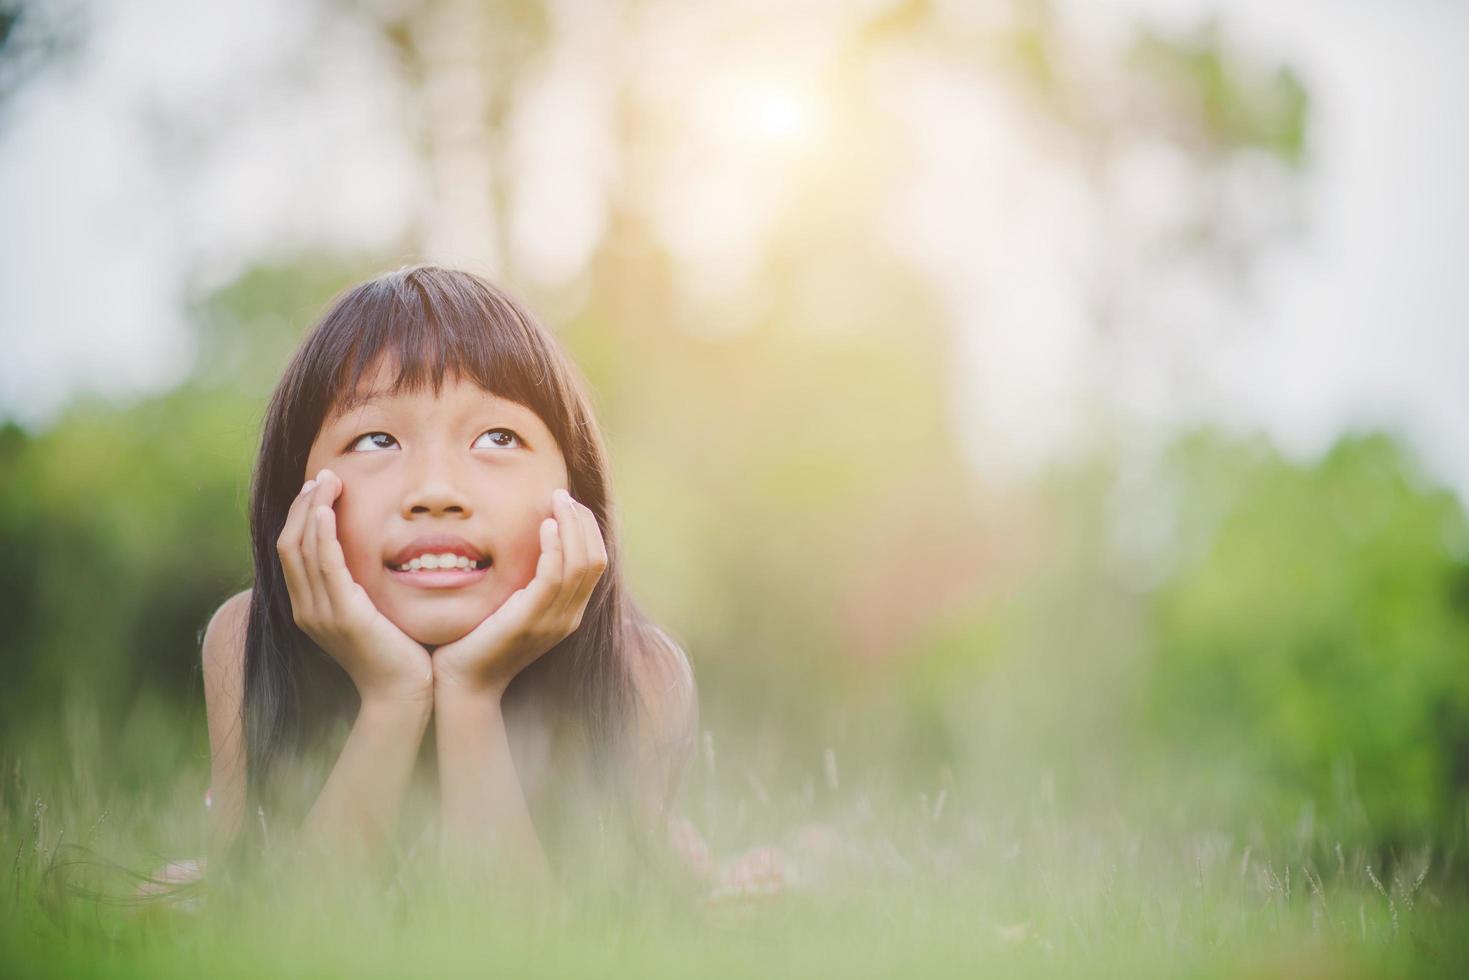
(284, 131)
(1366, 323)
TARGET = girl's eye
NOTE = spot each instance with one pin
(497, 437)
(375, 437)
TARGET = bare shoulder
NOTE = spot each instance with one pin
(223, 657)
(223, 650)
(667, 718)
(666, 689)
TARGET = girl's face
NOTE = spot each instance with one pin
(467, 464)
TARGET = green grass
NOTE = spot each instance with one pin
(1006, 883)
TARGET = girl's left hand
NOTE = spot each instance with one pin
(537, 617)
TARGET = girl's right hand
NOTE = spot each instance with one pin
(336, 612)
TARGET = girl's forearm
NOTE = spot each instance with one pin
(361, 797)
(483, 805)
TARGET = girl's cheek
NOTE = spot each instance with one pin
(525, 552)
(359, 561)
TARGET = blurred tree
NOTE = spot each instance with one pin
(134, 516)
(125, 528)
(35, 37)
(1317, 640)
(465, 63)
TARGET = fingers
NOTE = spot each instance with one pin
(311, 557)
(309, 562)
(335, 581)
(288, 547)
(544, 588)
(586, 556)
(326, 564)
(595, 550)
(333, 560)
(572, 535)
(596, 544)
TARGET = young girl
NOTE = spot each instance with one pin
(437, 574)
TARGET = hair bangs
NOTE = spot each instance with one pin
(425, 326)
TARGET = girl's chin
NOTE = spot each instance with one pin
(438, 633)
(434, 617)
(436, 628)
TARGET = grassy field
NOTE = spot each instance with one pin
(1008, 883)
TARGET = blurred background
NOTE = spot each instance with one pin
(1005, 398)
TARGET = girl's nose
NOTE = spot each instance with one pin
(438, 506)
(437, 497)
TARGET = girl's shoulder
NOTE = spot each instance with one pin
(667, 716)
(664, 680)
(223, 648)
(223, 657)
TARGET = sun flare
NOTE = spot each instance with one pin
(771, 112)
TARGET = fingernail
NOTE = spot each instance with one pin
(306, 487)
(563, 495)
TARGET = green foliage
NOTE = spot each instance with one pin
(1220, 101)
(128, 526)
(1318, 637)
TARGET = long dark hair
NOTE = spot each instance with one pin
(429, 320)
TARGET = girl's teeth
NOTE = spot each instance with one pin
(445, 560)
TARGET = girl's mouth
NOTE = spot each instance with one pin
(429, 562)
(443, 571)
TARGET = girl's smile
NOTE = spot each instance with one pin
(439, 561)
(442, 499)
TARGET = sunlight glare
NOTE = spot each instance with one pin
(769, 112)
